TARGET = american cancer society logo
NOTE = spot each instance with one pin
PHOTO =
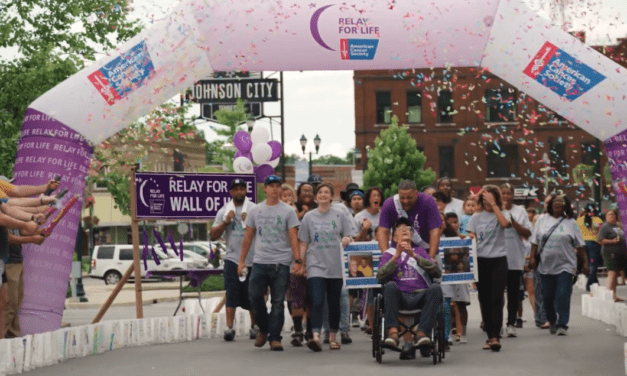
(354, 45)
(562, 73)
(124, 74)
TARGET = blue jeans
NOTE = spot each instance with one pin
(344, 313)
(593, 249)
(540, 315)
(321, 290)
(557, 290)
(276, 276)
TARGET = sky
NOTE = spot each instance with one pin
(322, 102)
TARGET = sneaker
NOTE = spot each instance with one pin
(252, 334)
(261, 339)
(422, 339)
(552, 328)
(276, 346)
(408, 352)
(561, 332)
(355, 320)
(463, 339)
(229, 334)
(519, 323)
(391, 341)
(511, 331)
(346, 339)
(451, 339)
(297, 339)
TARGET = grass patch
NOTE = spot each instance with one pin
(213, 283)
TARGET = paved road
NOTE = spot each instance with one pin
(591, 348)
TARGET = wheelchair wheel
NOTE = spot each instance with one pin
(376, 340)
(443, 340)
(435, 339)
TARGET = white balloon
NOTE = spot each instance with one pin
(261, 153)
(243, 165)
(259, 135)
(274, 162)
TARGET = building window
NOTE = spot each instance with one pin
(414, 107)
(447, 161)
(445, 106)
(502, 161)
(500, 105)
(558, 158)
(384, 107)
(589, 153)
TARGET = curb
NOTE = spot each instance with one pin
(203, 295)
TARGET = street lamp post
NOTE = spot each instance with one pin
(303, 144)
(250, 123)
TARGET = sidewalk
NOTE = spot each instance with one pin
(152, 292)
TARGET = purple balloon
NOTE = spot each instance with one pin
(245, 154)
(262, 172)
(276, 149)
(242, 141)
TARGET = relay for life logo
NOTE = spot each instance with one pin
(353, 45)
(562, 73)
(124, 74)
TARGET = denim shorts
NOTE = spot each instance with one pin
(236, 291)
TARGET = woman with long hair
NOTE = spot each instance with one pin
(488, 228)
(558, 240)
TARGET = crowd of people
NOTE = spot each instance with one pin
(291, 245)
(21, 214)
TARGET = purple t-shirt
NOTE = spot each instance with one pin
(424, 216)
(406, 278)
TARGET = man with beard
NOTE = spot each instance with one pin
(232, 223)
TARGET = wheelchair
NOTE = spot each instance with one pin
(436, 349)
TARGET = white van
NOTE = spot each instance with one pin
(110, 262)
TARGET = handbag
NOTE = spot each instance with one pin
(545, 239)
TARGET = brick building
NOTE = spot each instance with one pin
(474, 127)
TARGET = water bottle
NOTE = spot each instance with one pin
(242, 278)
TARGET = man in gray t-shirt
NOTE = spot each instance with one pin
(231, 225)
(274, 226)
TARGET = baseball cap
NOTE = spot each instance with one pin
(315, 179)
(272, 179)
(237, 181)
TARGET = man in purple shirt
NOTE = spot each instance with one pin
(421, 211)
(407, 273)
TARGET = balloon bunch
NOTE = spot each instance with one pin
(256, 149)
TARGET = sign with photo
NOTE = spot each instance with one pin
(360, 264)
(458, 260)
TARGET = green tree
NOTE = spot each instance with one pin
(54, 39)
(113, 158)
(395, 157)
(229, 122)
(584, 174)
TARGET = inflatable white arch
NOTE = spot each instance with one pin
(201, 36)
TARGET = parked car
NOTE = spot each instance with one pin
(200, 262)
(202, 248)
(110, 262)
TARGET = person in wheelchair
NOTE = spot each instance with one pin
(407, 277)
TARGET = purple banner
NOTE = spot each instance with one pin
(180, 195)
(48, 148)
(616, 150)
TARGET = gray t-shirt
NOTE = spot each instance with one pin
(558, 254)
(234, 235)
(513, 241)
(323, 232)
(609, 231)
(373, 218)
(271, 223)
(490, 235)
(346, 212)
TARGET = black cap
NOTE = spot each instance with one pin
(350, 187)
(314, 179)
(272, 179)
(237, 181)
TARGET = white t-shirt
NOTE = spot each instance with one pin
(455, 206)
(558, 254)
(513, 241)
(374, 219)
(234, 235)
(490, 235)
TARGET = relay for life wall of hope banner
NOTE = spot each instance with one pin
(186, 196)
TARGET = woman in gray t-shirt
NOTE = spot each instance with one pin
(557, 236)
(612, 239)
(323, 233)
